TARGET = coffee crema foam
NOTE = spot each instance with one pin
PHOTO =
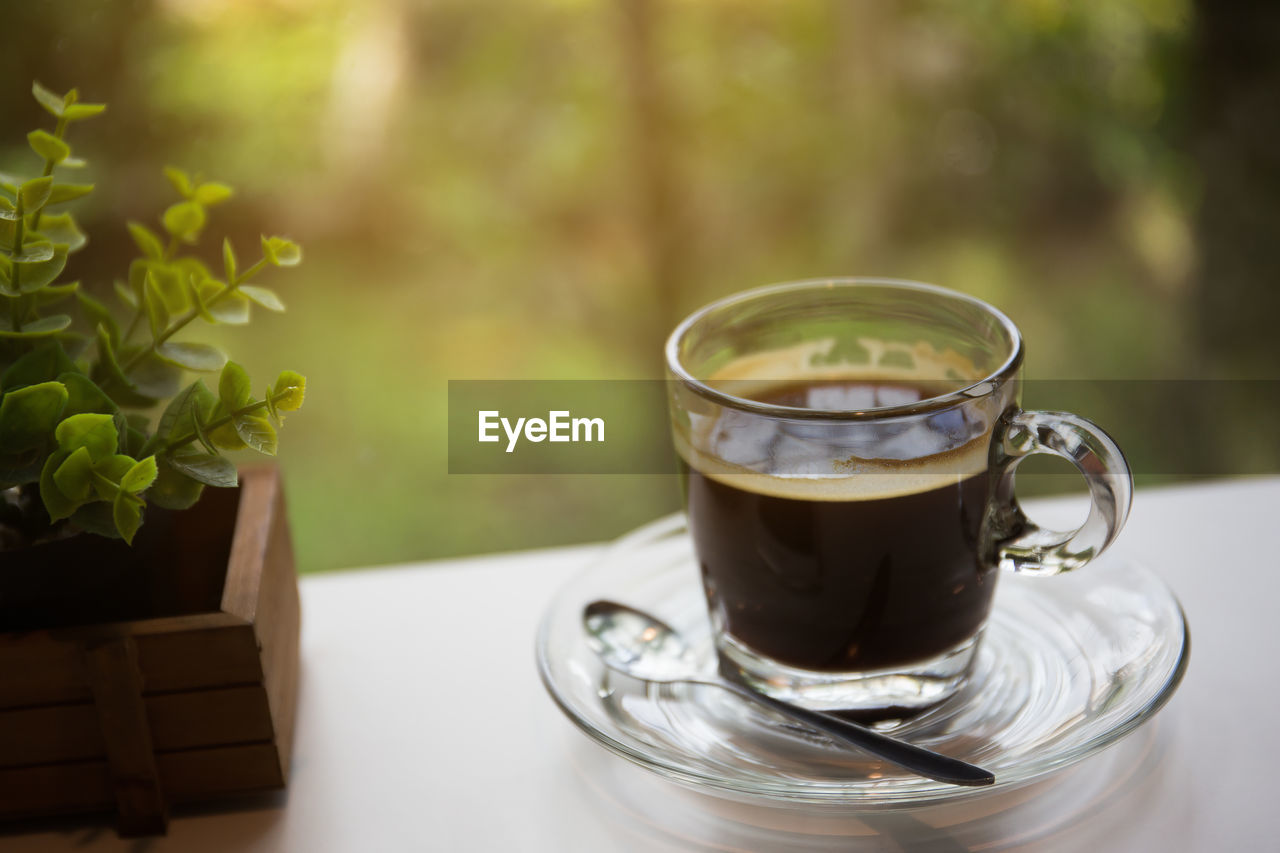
(851, 461)
(805, 361)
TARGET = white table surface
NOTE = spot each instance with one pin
(423, 726)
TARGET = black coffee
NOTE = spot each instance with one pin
(877, 571)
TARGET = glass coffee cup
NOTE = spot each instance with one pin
(848, 450)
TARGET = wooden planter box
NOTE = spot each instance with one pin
(153, 676)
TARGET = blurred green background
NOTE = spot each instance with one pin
(540, 190)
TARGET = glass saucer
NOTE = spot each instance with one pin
(1068, 666)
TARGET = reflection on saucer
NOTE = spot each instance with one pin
(1066, 811)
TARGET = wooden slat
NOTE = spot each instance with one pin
(117, 694)
(39, 670)
(177, 653)
(255, 522)
(278, 629)
(202, 718)
(209, 718)
(48, 734)
(203, 774)
(262, 588)
(55, 789)
(194, 659)
(189, 776)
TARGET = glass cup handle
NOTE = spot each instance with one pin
(1022, 546)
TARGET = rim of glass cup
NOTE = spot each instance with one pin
(978, 388)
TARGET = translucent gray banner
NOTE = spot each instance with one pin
(1181, 427)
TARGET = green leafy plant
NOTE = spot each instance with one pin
(95, 421)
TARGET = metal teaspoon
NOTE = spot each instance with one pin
(634, 643)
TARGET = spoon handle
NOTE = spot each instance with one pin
(917, 759)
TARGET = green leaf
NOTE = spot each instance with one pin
(61, 229)
(212, 193)
(224, 436)
(177, 417)
(34, 252)
(147, 241)
(289, 391)
(83, 396)
(51, 102)
(171, 281)
(232, 308)
(157, 313)
(107, 360)
(96, 518)
(76, 345)
(67, 192)
(261, 295)
(48, 147)
(140, 476)
(57, 292)
(206, 468)
(97, 432)
(112, 469)
(228, 259)
(42, 364)
(28, 415)
(139, 269)
(134, 437)
(198, 291)
(181, 181)
(156, 379)
(35, 193)
(257, 432)
(35, 276)
(74, 163)
(98, 315)
(125, 295)
(8, 229)
(234, 388)
(19, 469)
(127, 516)
(184, 220)
(192, 267)
(74, 477)
(42, 328)
(55, 502)
(272, 411)
(201, 357)
(281, 252)
(202, 434)
(80, 112)
(174, 489)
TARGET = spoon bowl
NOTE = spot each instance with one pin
(644, 647)
(637, 644)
